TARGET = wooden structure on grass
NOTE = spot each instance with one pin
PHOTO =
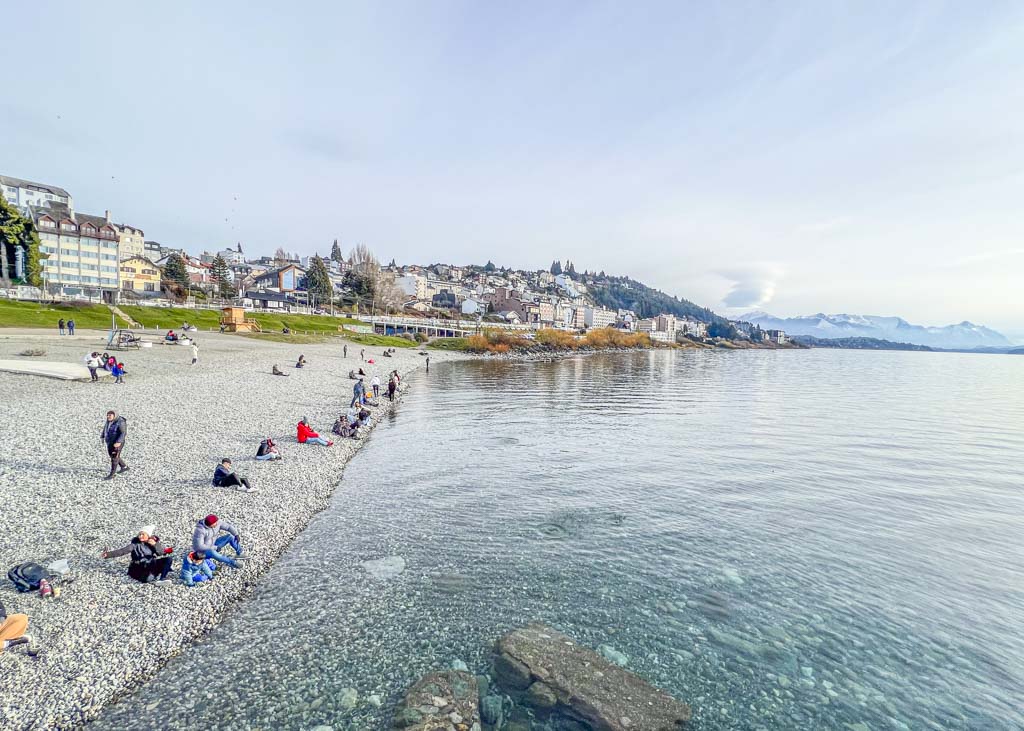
(234, 321)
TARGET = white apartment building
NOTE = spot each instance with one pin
(24, 193)
(598, 317)
(414, 285)
(82, 249)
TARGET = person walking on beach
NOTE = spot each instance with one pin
(375, 384)
(225, 476)
(392, 387)
(428, 364)
(195, 352)
(93, 364)
(207, 541)
(358, 392)
(71, 327)
(60, 325)
(151, 560)
(115, 431)
(362, 354)
(118, 372)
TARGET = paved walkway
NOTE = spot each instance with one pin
(48, 368)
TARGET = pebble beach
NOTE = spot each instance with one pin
(106, 633)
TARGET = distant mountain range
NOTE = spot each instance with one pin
(964, 336)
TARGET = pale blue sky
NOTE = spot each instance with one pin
(793, 157)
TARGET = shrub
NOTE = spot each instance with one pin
(555, 339)
(33, 352)
(421, 337)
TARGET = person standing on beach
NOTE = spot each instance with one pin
(60, 325)
(93, 364)
(344, 350)
(375, 384)
(358, 391)
(428, 364)
(71, 327)
(115, 431)
(362, 354)
(392, 387)
(195, 352)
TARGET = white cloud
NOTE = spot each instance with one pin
(753, 286)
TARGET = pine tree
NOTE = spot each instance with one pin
(336, 253)
(239, 247)
(489, 266)
(221, 277)
(318, 281)
(570, 269)
(175, 270)
(556, 267)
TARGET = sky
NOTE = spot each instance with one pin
(792, 157)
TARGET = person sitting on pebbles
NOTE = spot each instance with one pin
(343, 428)
(306, 435)
(268, 451)
(277, 371)
(301, 362)
(225, 476)
(12, 632)
(195, 570)
(207, 540)
(150, 560)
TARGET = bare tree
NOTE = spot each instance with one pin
(280, 256)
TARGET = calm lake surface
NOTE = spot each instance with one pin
(784, 539)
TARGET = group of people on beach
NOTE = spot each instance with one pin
(69, 324)
(150, 559)
(96, 362)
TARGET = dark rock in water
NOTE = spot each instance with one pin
(440, 700)
(491, 710)
(586, 688)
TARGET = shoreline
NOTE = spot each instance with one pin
(107, 635)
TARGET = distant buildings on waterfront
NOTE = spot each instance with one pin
(92, 257)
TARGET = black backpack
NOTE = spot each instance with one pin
(26, 576)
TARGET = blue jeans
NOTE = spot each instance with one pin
(316, 440)
(225, 540)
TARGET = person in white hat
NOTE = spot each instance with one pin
(151, 561)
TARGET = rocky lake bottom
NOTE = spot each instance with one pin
(804, 539)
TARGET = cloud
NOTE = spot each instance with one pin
(753, 286)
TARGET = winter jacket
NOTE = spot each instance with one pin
(304, 432)
(204, 538)
(93, 363)
(117, 371)
(193, 573)
(220, 474)
(358, 389)
(266, 448)
(115, 431)
(143, 556)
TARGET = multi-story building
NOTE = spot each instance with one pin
(140, 276)
(24, 193)
(131, 241)
(777, 336)
(81, 250)
(693, 328)
(414, 285)
(598, 317)
(151, 250)
(661, 328)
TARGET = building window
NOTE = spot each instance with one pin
(47, 224)
(67, 227)
(149, 286)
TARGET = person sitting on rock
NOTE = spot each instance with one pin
(225, 476)
(171, 337)
(12, 632)
(150, 560)
(277, 371)
(206, 541)
(301, 363)
(267, 451)
(306, 435)
(195, 570)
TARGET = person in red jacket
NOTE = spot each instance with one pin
(306, 435)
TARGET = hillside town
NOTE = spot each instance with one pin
(97, 258)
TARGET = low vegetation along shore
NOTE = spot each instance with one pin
(107, 633)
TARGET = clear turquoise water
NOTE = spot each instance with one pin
(789, 539)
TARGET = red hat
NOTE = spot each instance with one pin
(211, 520)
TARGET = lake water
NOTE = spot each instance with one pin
(784, 539)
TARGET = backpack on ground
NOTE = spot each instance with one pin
(27, 576)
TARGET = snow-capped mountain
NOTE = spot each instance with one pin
(963, 335)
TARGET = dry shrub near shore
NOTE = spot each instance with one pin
(33, 353)
(499, 341)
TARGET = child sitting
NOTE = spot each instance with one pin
(195, 570)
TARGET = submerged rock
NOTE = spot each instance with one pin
(385, 568)
(610, 654)
(440, 700)
(580, 685)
